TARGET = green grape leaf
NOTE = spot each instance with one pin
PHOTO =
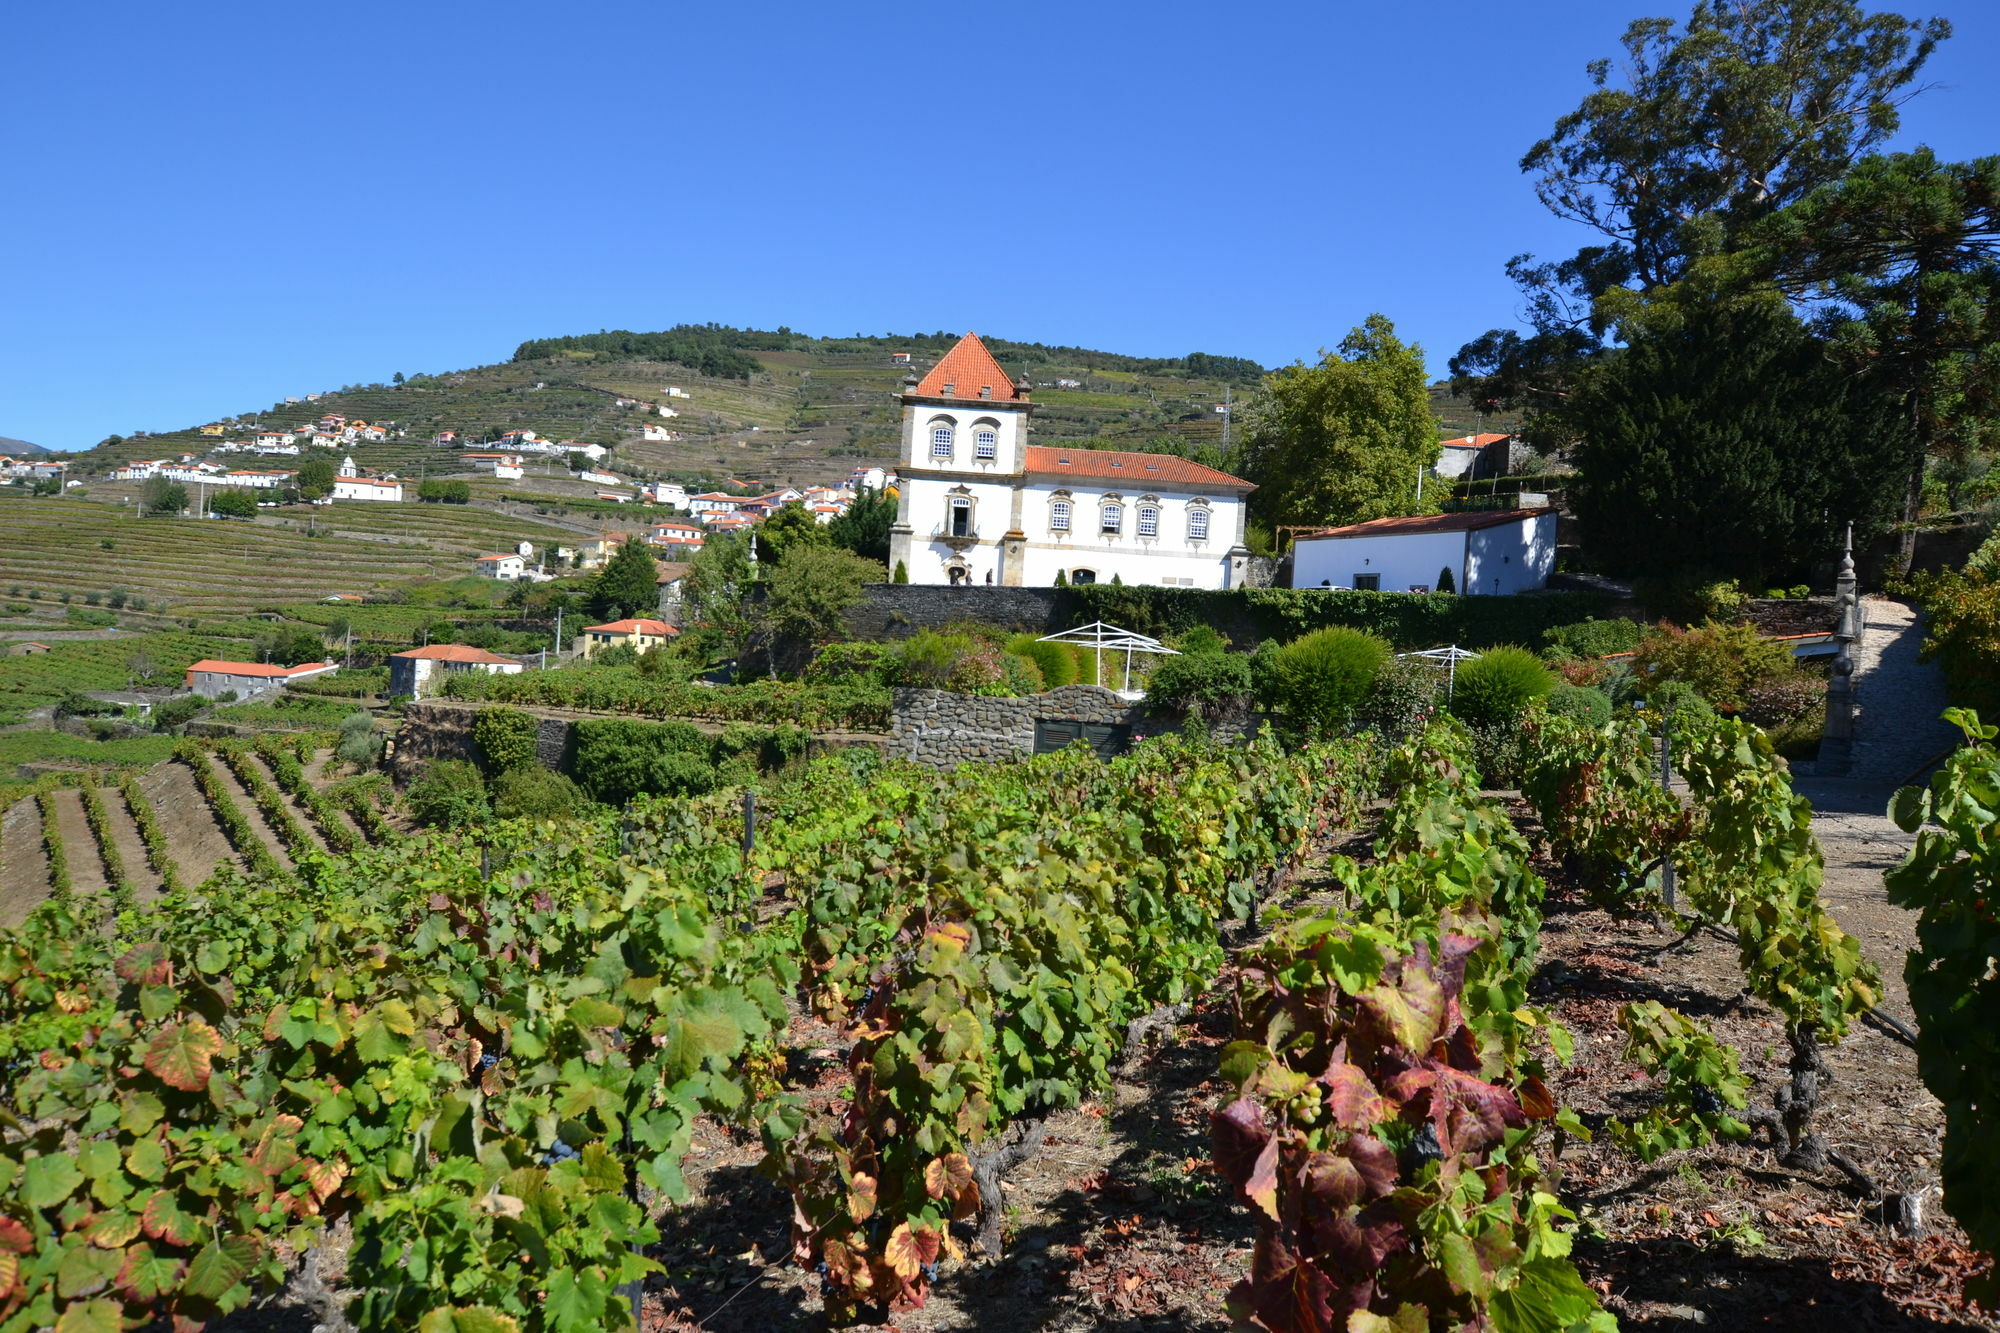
(49, 1179)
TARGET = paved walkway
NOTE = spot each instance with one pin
(1898, 734)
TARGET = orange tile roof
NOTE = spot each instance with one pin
(639, 626)
(251, 668)
(1141, 470)
(1474, 441)
(967, 368)
(457, 652)
(1412, 523)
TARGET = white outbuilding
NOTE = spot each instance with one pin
(1490, 552)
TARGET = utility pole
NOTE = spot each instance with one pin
(559, 615)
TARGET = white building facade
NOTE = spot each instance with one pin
(978, 504)
(1494, 552)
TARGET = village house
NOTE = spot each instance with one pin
(675, 534)
(713, 502)
(641, 634)
(651, 432)
(505, 466)
(254, 479)
(274, 438)
(978, 504)
(600, 478)
(138, 471)
(1489, 552)
(666, 493)
(666, 411)
(673, 583)
(1474, 456)
(672, 392)
(367, 488)
(508, 567)
(211, 678)
(215, 429)
(446, 439)
(411, 672)
(594, 452)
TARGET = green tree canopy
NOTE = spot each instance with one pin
(793, 525)
(235, 503)
(1343, 441)
(629, 583)
(163, 497)
(812, 588)
(864, 528)
(1746, 108)
(1901, 260)
(315, 479)
(1725, 440)
(717, 588)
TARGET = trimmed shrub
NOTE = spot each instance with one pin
(1781, 699)
(1213, 682)
(1588, 706)
(619, 760)
(505, 737)
(1202, 639)
(1056, 660)
(534, 792)
(359, 743)
(448, 794)
(1321, 681)
(1496, 688)
(1677, 696)
(848, 663)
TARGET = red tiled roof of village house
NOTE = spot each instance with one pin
(250, 668)
(968, 367)
(1474, 441)
(1141, 470)
(638, 626)
(487, 559)
(457, 652)
(1396, 527)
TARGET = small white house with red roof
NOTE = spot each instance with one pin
(211, 678)
(641, 633)
(1491, 551)
(977, 504)
(1469, 456)
(411, 672)
(508, 566)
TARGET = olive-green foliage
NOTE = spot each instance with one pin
(506, 738)
(628, 585)
(1403, 699)
(1321, 681)
(359, 742)
(534, 792)
(1057, 662)
(617, 760)
(1719, 661)
(1202, 639)
(842, 663)
(1680, 698)
(1211, 680)
(1589, 638)
(1586, 705)
(1497, 687)
(448, 794)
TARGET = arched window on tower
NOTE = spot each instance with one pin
(985, 439)
(1149, 520)
(1110, 518)
(941, 438)
(1059, 516)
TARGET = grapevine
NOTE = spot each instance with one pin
(52, 844)
(158, 854)
(123, 895)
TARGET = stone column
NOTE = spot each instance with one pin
(1836, 746)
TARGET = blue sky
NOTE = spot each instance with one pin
(208, 207)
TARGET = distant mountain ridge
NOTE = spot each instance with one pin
(13, 446)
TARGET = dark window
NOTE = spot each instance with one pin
(1368, 582)
(1083, 576)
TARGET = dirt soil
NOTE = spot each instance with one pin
(305, 821)
(86, 867)
(24, 866)
(131, 847)
(194, 840)
(247, 803)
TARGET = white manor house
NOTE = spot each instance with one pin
(981, 505)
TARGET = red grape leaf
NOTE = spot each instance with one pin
(180, 1053)
(1352, 1100)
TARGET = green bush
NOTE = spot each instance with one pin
(1321, 681)
(1496, 687)
(1720, 662)
(1213, 681)
(448, 794)
(845, 663)
(619, 760)
(359, 743)
(1589, 706)
(1677, 696)
(1057, 662)
(1202, 639)
(505, 737)
(534, 792)
(1403, 699)
(1590, 639)
(1254, 615)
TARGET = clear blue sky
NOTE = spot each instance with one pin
(207, 207)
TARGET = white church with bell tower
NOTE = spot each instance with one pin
(979, 505)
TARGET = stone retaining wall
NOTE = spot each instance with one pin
(898, 610)
(941, 728)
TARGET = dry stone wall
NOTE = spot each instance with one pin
(942, 728)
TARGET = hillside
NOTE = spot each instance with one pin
(18, 448)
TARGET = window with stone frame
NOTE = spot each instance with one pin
(1197, 523)
(941, 439)
(1059, 516)
(1111, 518)
(985, 440)
(1149, 520)
(960, 516)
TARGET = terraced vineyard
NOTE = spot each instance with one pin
(127, 839)
(220, 569)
